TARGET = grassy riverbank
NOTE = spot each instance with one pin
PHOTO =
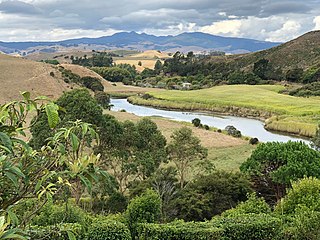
(282, 112)
(224, 152)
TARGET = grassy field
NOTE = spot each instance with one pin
(225, 152)
(281, 112)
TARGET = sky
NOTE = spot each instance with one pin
(51, 20)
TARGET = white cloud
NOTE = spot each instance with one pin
(316, 21)
(226, 27)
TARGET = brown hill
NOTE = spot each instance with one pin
(302, 52)
(18, 75)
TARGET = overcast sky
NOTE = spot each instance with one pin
(271, 20)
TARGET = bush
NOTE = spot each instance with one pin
(248, 227)
(196, 122)
(179, 231)
(56, 232)
(211, 195)
(92, 83)
(254, 141)
(232, 131)
(108, 230)
(103, 99)
(206, 127)
(143, 209)
(252, 205)
(55, 214)
(305, 225)
(304, 192)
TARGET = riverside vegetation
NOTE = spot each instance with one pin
(85, 175)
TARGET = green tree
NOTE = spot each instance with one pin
(76, 104)
(316, 139)
(183, 150)
(157, 66)
(132, 151)
(196, 122)
(273, 165)
(210, 195)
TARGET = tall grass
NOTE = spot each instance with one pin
(294, 115)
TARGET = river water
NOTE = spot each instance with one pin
(247, 126)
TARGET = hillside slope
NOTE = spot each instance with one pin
(302, 52)
(18, 75)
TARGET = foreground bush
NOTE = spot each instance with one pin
(143, 209)
(56, 232)
(304, 193)
(108, 230)
(248, 227)
(179, 231)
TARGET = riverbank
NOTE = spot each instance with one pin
(224, 152)
(283, 113)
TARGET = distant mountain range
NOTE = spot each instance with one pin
(195, 41)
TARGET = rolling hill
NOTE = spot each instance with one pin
(184, 42)
(302, 52)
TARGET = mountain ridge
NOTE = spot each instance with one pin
(143, 41)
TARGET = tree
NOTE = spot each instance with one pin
(273, 165)
(183, 150)
(76, 104)
(316, 139)
(196, 122)
(210, 195)
(42, 174)
(158, 66)
(103, 99)
(132, 151)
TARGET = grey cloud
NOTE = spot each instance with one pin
(156, 15)
(18, 7)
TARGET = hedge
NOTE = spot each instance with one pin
(180, 231)
(248, 227)
(56, 232)
(108, 230)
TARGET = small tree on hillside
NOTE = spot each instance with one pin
(184, 149)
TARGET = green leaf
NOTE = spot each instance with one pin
(86, 182)
(6, 141)
(26, 95)
(52, 114)
(74, 142)
(71, 236)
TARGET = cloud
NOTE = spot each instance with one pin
(316, 21)
(18, 7)
(263, 19)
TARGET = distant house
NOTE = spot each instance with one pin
(186, 85)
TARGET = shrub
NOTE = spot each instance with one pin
(248, 226)
(103, 99)
(196, 122)
(305, 225)
(206, 127)
(55, 214)
(232, 131)
(179, 231)
(92, 83)
(108, 230)
(252, 205)
(210, 195)
(304, 192)
(56, 232)
(254, 141)
(143, 209)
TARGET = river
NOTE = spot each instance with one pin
(247, 126)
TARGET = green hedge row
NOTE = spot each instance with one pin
(248, 227)
(56, 232)
(182, 231)
(108, 230)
